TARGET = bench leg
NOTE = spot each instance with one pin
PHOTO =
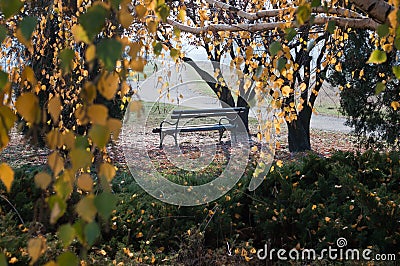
(176, 138)
(221, 133)
(162, 136)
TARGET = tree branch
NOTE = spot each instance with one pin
(365, 23)
(276, 12)
(379, 10)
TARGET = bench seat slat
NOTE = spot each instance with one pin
(210, 111)
(194, 128)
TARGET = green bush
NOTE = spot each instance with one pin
(309, 203)
(313, 202)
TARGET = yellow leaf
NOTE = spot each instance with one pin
(138, 64)
(89, 92)
(140, 11)
(135, 106)
(86, 208)
(7, 120)
(42, 180)
(108, 171)
(151, 25)
(90, 53)
(56, 163)
(54, 139)
(285, 91)
(114, 125)
(108, 85)
(395, 105)
(134, 48)
(85, 182)
(6, 175)
(28, 107)
(98, 114)
(36, 246)
(54, 107)
(80, 34)
(279, 163)
(327, 219)
(68, 139)
(29, 75)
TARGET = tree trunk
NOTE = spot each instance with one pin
(299, 132)
(245, 115)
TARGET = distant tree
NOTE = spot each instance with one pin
(368, 92)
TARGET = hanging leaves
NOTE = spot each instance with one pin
(10, 7)
(28, 107)
(42, 180)
(377, 57)
(6, 175)
(54, 108)
(36, 247)
(93, 20)
(109, 51)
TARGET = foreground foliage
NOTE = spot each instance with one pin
(306, 204)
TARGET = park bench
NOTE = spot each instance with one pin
(228, 120)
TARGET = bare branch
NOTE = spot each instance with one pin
(376, 9)
(365, 23)
(276, 12)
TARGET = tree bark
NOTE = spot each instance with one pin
(378, 10)
(299, 131)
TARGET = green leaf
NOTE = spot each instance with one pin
(3, 261)
(66, 57)
(157, 48)
(274, 48)
(303, 14)
(79, 228)
(93, 20)
(57, 206)
(163, 12)
(377, 57)
(109, 51)
(174, 53)
(290, 34)
(86, 208)
(397, 42)
(3, 79)
(315, 3)
(10, 7)
(331, 26)
(27, 26)
(105, 204)
(380, 87)
(281, 63)
(3, 33)
(396, 71)
(92, 232)
(67, 259)
(80, 158)
(81, 142)
(67, 234)
(100, 135)
(383, 30)
(115, 4)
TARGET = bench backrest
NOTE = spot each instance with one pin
(197, 113)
